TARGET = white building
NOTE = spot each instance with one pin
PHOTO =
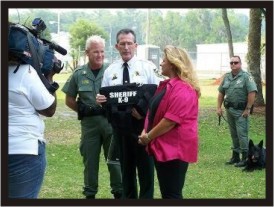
(62, 39)
(213, 59)
(149, 52)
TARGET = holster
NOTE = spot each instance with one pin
(235, 105)
(88, 110)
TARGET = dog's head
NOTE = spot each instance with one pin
(255, 151)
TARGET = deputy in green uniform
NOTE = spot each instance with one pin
(237, 91)
(81, 89)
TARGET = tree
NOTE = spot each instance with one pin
(254, 52)
(228, 32)
(170, 34)
(79, 32)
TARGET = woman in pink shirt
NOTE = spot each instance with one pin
(171, 126)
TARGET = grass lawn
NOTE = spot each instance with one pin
(209, 178)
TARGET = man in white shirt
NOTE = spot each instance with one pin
(132, 155)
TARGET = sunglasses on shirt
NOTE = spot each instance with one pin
(233, 63)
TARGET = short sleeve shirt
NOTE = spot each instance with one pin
(27, 94)
(84, 84)
(140, 71)
(180, 105)
(237, 88)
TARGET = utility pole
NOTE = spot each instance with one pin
(148, 26)
(58, 23)
(110, 44)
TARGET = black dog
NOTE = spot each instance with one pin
(256, 156)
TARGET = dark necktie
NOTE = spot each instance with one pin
(125, 74)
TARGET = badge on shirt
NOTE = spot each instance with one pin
(114, 76)
(85, 82)
(238, 81)
(137, 73)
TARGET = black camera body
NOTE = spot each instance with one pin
(26, 45)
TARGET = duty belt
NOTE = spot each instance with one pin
(235, 105)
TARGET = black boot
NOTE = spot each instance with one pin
(90, 197)
(234, 159)
(242, 163)
(117, 195)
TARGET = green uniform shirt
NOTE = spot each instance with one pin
(96, 132)
(84, 84)
(236, 88)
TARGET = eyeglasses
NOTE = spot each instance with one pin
(233, 63)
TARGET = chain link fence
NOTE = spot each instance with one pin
(210, 65)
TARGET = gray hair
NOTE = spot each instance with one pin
(94, 38)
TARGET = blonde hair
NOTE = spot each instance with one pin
(183, 66)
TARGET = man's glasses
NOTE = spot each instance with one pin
(233, 63)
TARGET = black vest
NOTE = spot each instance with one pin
(122, 98)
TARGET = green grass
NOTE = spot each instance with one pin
(209, 178)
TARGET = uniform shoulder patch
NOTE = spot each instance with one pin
(150, 63)
(147, 61)
(69, 78)
(226, 75)
(77, 69)
(249, 76)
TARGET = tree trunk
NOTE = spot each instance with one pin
(254, 52)
(228, 32)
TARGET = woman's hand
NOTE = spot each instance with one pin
(144, 138)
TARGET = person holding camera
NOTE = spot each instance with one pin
(28, 99)
(81, 89)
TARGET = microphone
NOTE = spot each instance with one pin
(56, 47)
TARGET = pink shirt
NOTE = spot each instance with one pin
(179, 104)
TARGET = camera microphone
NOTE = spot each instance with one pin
(56, 47)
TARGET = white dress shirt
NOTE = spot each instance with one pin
(140, 71)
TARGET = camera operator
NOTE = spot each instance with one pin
(28, 99)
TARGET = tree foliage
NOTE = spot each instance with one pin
(81, 30)
(254, 51)
(184, 29)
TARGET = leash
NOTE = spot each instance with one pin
(222, 116)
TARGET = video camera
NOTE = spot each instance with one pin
(26, 45)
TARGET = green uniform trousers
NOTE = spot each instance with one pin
(238, 127)
(97, 133)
